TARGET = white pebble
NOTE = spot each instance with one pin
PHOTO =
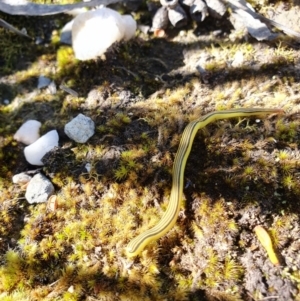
(28, 132)
(52, 88)
(37, 150)
(39, 189)
(93, 32)
(80, 129)
(238, 59)
(21, 178)
(130, 25)
(88, 167)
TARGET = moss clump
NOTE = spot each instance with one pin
(65, 58)
(209, 265)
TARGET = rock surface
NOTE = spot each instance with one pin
(80, 129)
(39, 189)
(21, 178)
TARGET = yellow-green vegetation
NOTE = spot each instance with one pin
(214, 231)
(241, 173)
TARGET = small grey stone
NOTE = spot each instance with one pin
(66, 33)
(43, 82)
(39, 189)
(80, 129)
(38, 41)
(94, 98)
(244, 18)
(160, 19)
(216, 8)
(21, 178)
(52, 88)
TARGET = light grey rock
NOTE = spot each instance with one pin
(52, 88)
(80, 129)
(66, 33)
(160, 19)
(216, 8)
(244, 17)
(39, 189)
(257, 29)
(88, 167)
(43, 82)
(21, 178)
(177, 16)
(238, 59)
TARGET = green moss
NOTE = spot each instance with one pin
(143, 100)
(65, 58)
(20, 294)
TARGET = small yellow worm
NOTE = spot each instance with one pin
(168, 220)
